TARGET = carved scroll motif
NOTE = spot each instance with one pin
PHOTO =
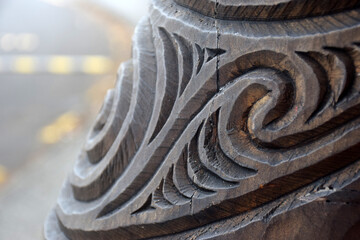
(217, 117)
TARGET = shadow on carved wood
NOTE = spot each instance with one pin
(229, 113)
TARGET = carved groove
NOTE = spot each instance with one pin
(136, 129)
(213, 53)
(314, 60)
(110, 120)
(199, 174)
(186, 52)
(145, 207)
(170, 191)
(216, 160)
(200, 61)
(172, 80)
(266, 10)
(224, 119)
(183, 182)
(158, 197)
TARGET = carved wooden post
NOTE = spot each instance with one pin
(229, 114)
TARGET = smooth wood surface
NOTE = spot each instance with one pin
(230, 114)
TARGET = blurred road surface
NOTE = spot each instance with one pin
(47, 53)
(130, 10)
(56, 62)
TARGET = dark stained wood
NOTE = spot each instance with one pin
(232, 118)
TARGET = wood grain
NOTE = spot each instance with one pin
(230, 112)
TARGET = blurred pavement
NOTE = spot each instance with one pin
(57, 59)
(130, 10)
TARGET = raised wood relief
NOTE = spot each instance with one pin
(230, 112)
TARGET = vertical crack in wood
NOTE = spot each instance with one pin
(217, 45)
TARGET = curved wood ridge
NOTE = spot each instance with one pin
(220, 121)
(266, 10)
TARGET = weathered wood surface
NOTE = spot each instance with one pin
(232, 118)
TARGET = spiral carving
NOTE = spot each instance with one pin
(198, 130)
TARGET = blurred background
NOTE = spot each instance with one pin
(57, 59)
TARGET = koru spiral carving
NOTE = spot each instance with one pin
(229, 113)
